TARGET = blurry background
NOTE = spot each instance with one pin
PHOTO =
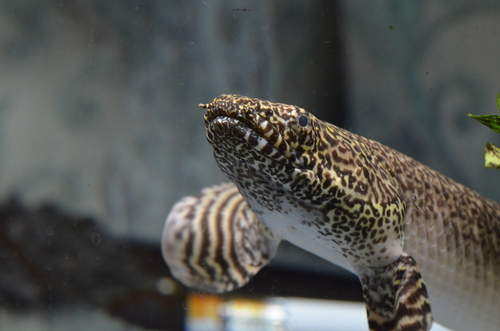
(100, 132)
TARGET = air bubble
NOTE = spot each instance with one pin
(65, 279)
(96, 238)
(250, 287)
(166, 286)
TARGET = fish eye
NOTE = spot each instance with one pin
(303, 120)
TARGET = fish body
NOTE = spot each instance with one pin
(421, 244)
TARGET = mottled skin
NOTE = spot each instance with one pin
(340, 196)
(276, 162)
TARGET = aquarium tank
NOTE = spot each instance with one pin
(101, 134)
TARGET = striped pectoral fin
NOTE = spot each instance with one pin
(396, 297)
(214, 242)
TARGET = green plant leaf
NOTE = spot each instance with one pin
(491, 121)
(491, 156)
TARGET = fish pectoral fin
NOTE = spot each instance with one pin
(214, 242)
(396, 296)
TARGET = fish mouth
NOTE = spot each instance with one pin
(255, 130)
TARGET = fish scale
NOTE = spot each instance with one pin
(418, 241)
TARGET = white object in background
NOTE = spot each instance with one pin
(210, 313)
(326, 315)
